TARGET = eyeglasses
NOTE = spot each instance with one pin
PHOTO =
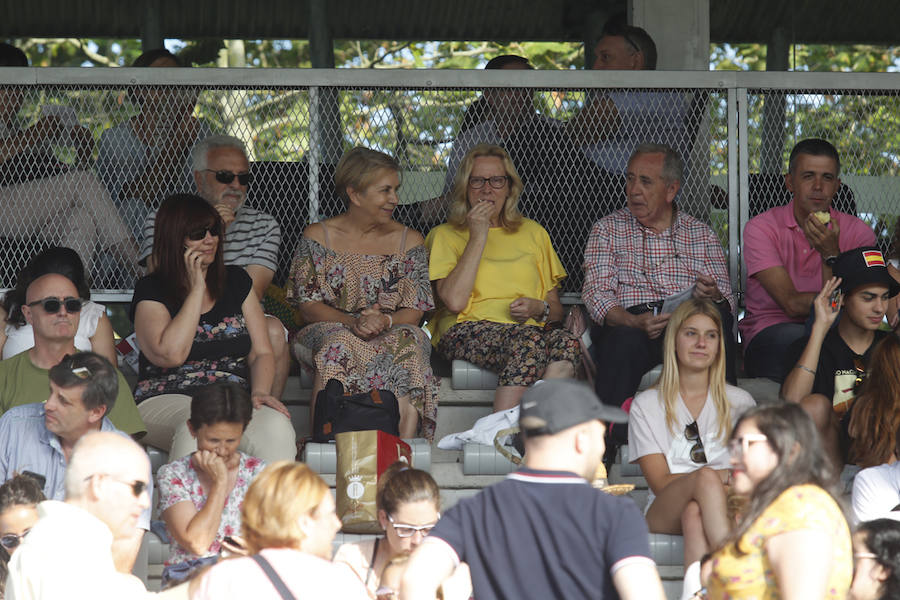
(137, 486)
(496, 182)
(738, 447)
(692, 433)
(198, 234)
(79, 372)
(858, 555)
(631, 42)
(403, 530)
(227, 177)
(51, 305)
(11, 541)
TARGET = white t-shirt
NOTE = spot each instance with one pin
(876, 491)
(20, 339)
(648, 433)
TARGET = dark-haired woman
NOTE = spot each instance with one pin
(793, 541)
(198, 322)
(876, 561)
(874, 417)
(19, 498)
(409, 504)
(95, 332)
(200, 495)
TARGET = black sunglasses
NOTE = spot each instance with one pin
(51, 305)
(692, 433)
(198, 234)
(10, 541)
(227, 177)
(137, 486)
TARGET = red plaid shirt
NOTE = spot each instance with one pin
(626, 263)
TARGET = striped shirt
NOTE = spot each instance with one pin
(626, 263)
(252, 239)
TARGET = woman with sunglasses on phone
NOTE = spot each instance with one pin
(289, 523)
(497, 278)
(677, 431)
(360, 280)
(19, 498)
(408, 502)
(792, 541)
(95, 332)
(197, 322)
(200, 495)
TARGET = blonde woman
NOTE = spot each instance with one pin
(678, 431)
(497, 278)
(288, 524)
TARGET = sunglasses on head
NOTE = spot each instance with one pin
(11, 541)
(51, 305)
(227, 177)
(198, 234)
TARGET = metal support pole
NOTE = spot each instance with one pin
(151, 26)
(743, 172)
(774, 106)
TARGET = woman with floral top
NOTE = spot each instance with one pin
(197, 321)
(200, 495)
(361, 282)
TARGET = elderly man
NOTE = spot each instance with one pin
(39, 438)
(789, 251)
(637, 257)
(68, 553)
(544, 532)
(252, 238)
(52, 308)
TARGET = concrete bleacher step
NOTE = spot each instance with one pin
(322, 458)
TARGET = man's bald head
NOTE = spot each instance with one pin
(108, 476)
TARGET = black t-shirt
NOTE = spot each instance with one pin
(836, 372)
(221, 343)
(544, 534)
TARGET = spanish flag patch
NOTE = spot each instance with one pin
(874, 258)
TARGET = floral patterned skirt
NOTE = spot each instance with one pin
(397, 360)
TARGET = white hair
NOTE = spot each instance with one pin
(201, 150)
(96, 452)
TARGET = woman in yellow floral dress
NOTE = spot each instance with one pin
(793, 541)
(360, 280)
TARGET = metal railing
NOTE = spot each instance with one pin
(92, 189)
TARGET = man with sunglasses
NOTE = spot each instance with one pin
(52, 307)
(252, 237)
(831, 362)
(39, 438)
(70, 552)
(545, 532)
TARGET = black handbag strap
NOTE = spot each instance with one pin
(273, 577)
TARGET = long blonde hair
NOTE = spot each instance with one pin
(510, 217)
(668, 383)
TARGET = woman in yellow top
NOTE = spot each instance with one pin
(497, 278)
(793, 541)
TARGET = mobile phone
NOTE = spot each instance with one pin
(835, 300)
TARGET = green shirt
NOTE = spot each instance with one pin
(23, 383)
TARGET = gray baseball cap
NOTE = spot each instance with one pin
(552, 405)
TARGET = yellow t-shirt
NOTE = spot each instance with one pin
(513, 265)
(798, 507)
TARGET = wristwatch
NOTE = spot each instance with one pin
(546, 314)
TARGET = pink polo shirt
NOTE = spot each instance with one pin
(774, 239)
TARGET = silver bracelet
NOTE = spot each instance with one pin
(807, 369)
(390, 320)
(546, 314)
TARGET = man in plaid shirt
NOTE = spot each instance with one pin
(638, 256)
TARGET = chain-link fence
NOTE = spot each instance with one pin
(90, 152)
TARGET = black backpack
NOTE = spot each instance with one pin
(337, 413)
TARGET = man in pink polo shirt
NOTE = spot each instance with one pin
(788, 251)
